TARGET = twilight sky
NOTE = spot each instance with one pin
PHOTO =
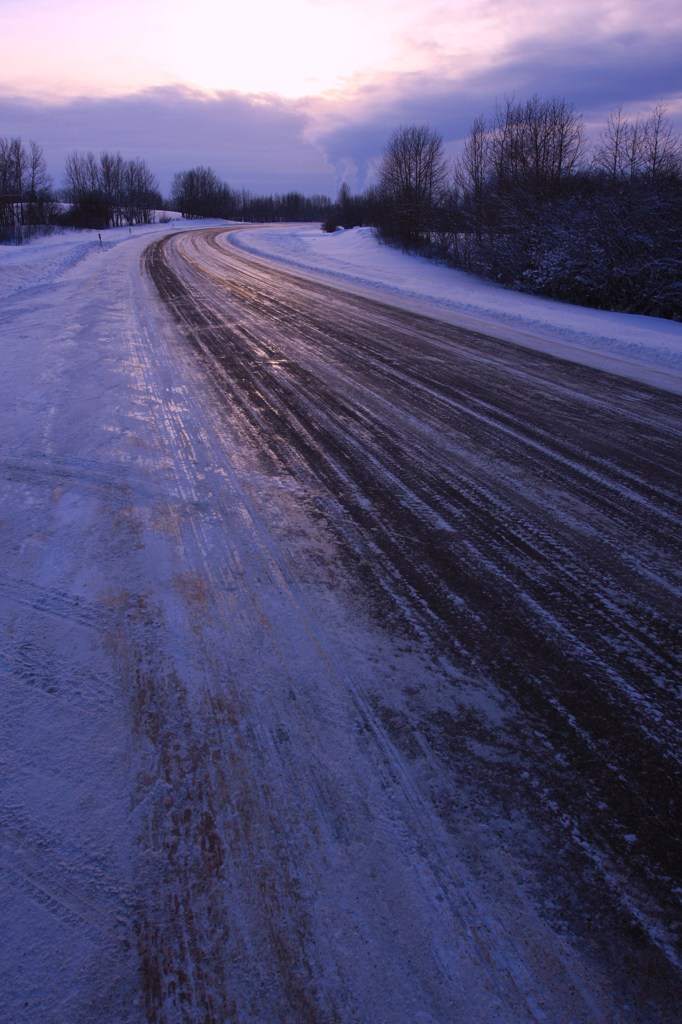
(302, 94)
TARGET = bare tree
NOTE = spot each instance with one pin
(630, 149)
(413, 176)
(84, 190)
(141, 192)
(39, 185)
(662, 148)
(109, 191)
(111, 181)
(195, 193)
(25, 189)
(618, 152)
(528, 211)
(536, 147)
(473, 171)
(12, 171)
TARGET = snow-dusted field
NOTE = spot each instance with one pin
(202, 816)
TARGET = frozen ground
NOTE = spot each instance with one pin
(203, 815)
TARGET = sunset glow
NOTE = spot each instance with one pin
(315, 83)
(302, 48)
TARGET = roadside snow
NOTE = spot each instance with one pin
(644, 348)
(41, 261)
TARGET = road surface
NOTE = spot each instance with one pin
(389, 627)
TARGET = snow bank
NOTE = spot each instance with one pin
(40, 261)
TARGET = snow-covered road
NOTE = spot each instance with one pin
(251, 772)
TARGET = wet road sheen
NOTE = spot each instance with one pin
(516, 520)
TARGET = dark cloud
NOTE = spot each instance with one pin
(354, 145)
(250, 142)
(594, 77)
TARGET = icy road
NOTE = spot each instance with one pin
(339, 664)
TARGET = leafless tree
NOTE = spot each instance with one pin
(83, 189)
(631, 149)
(13, 164)
(662, 147)
(195, 193)
(109, 191)
(141, 192)
(25, 189)
(112, 185)
(473, 170)
(413, 175)
(536, 146)
(614, 147)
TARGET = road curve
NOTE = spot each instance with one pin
(515, 520)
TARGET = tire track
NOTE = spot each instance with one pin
(266, 865)
(524, 534)
(55, 602)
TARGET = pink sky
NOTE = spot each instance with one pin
(325, 81)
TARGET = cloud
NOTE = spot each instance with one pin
(254, 142)
(594, 75)
(268, 143)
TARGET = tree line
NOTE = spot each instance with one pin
(200, 193)
(107, 191)
(26, 199)
(99, 191)
(525, 204)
